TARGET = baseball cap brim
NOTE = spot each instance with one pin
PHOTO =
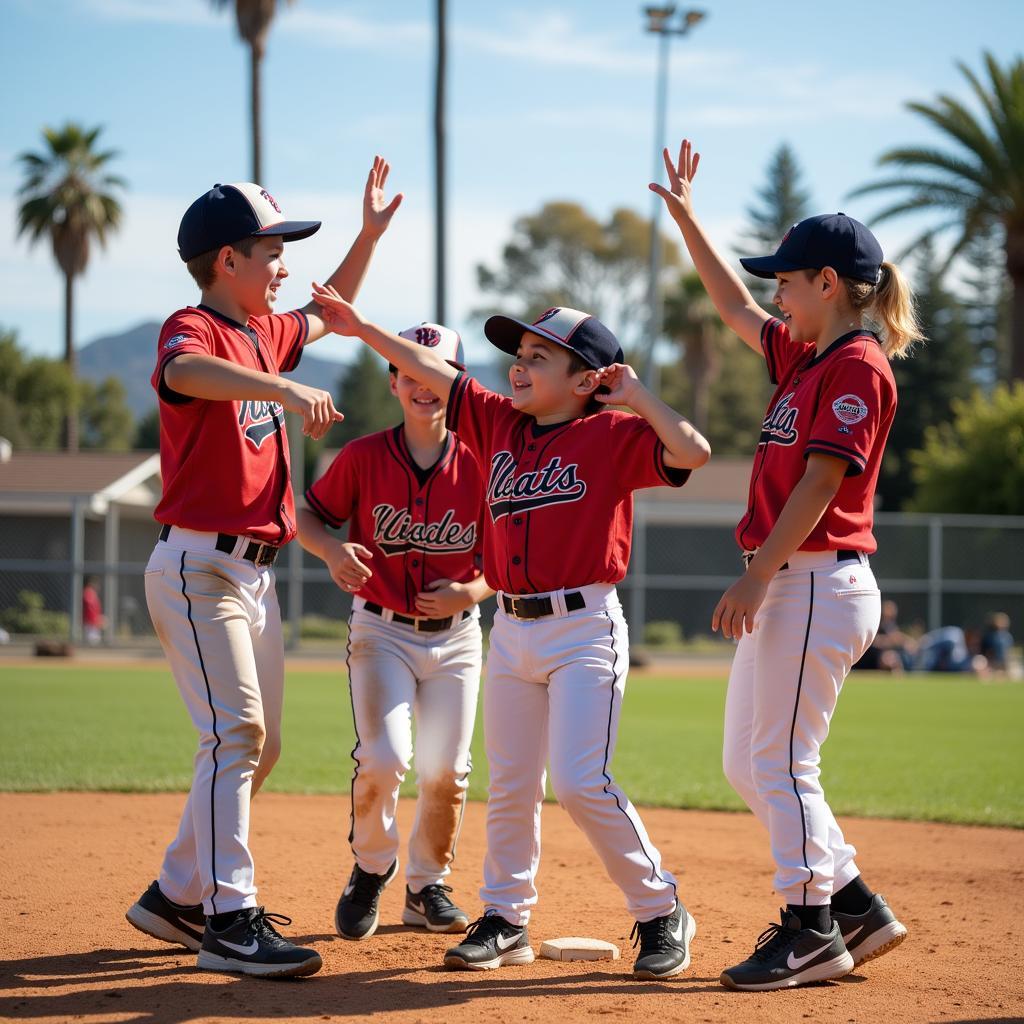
(290, 230)
(768, 266)
(506, 333)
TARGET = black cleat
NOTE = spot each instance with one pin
(872, 933)
(664, 944)
(154, 914)
(490, 942)
(787, 955)
(430, 908)
(250, 945)
(358, 914)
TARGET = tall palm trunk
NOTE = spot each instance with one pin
(255, 70)
(71, 424)
(440, 282)
(1015, 268)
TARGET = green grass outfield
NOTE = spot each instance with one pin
(925, 747)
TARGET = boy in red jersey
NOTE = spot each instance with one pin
(226, 510)
(413, 498)
(558, 515)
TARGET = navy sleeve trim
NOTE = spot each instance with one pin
(455, 397)
(769, 330)
(672, 475)
(164, 390)
(857, 461)
(298, 346)
(316, 507)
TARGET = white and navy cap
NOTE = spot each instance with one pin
(443, 340)
(228, 213)
(579, 332)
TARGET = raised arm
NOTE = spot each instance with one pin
(348, 277)
(735, 305)
(685, 446)
(420, 363)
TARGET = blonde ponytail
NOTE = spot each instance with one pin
(890, 305)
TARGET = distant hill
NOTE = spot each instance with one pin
(130, 357)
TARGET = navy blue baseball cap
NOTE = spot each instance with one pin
(579, 332)
(829, 240)
(228, 213)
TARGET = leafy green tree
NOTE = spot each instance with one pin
(107, 422)
(978, 185)
(986, 300)
(939, 372)
(781, 202)
(35, 394)
(564, 256)
(976, 463)
(68, 195)
(253, 18)
(364, 396)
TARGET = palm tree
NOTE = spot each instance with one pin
(979, 184)
(67, 195)
(254, 18)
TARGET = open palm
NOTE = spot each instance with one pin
(377, 211)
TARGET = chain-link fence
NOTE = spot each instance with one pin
(943, 570)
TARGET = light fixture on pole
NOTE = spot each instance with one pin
(660, 22)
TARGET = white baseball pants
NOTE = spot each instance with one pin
(396, 673)
(817, 619)
(219, 623)
(553, 692)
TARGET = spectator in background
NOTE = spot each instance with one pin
(93, 619)
(892, 650)
(945, 650)
(996, 643)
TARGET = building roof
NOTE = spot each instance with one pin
(34, 479)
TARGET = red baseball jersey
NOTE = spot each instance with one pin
(421, 525)
(559, 498)
(839, 403)
(225, 464)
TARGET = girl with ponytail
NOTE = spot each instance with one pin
(807, 606)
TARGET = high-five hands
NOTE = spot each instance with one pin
(679, 194)
(338, 315)
(314, 405)
(377, 212)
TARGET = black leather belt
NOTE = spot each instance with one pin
(841, 556)
(258, 554)
(421, 625)
(539, 607)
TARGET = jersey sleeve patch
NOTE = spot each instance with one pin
(850, 409)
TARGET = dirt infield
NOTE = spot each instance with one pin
(70, 864)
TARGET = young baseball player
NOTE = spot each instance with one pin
(561, 472)
(412, 497)
(807, 606)
(226, 510)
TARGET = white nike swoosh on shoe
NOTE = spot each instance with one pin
(244, 950)
(506, 941)
(677, 933)
(796, 962)
(854, 933)
(418, 907)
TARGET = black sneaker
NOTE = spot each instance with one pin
(250, 945)
(664, 944)
(357, 914)
(787, 955)
(430, 908)
(490, 942)
(872, 933)
(154, 914)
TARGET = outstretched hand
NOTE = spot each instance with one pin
(377, 212)
(622, 383)
(679, 194)
(338, 315)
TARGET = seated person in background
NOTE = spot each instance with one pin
(996, 644)
(892, 650)
(945, 650)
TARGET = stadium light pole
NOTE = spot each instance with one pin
(660, 22)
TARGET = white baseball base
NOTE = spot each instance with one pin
(576, 948)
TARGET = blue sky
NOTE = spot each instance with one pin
(547, 100)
